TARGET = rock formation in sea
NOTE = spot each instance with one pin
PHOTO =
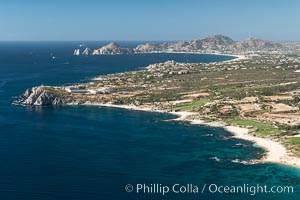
(76, 52)
(86, 51)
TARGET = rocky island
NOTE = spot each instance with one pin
(259, 92)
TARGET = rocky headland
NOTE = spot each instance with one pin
(211, 44)
(40, 96)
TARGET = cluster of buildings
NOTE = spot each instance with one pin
(169, 67)
(83, 90)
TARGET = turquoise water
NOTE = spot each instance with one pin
(88, 153)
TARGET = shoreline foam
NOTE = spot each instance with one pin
(275, 151)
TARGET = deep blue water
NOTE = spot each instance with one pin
(88, 153)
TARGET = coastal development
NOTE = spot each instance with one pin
(256, 95)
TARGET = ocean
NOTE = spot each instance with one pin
(89, 153)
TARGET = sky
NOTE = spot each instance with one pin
(72, 20)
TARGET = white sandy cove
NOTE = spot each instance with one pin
(276, 152)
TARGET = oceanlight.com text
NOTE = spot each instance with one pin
(157, 188)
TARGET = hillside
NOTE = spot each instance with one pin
(213, 43)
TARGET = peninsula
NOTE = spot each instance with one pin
(211, 44)
(256, 96)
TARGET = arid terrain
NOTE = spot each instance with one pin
(258, 90)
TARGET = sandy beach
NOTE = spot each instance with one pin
(129, 107)
(275, 151)
(238, 57)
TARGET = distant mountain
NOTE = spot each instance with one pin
(152, 47)
(214, 42)
(112, 48)
(255, 44)
(112, 45)
(219, 43)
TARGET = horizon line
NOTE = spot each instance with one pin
(141, 40)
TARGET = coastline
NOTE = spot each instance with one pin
(275, 151)
(238, 57)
